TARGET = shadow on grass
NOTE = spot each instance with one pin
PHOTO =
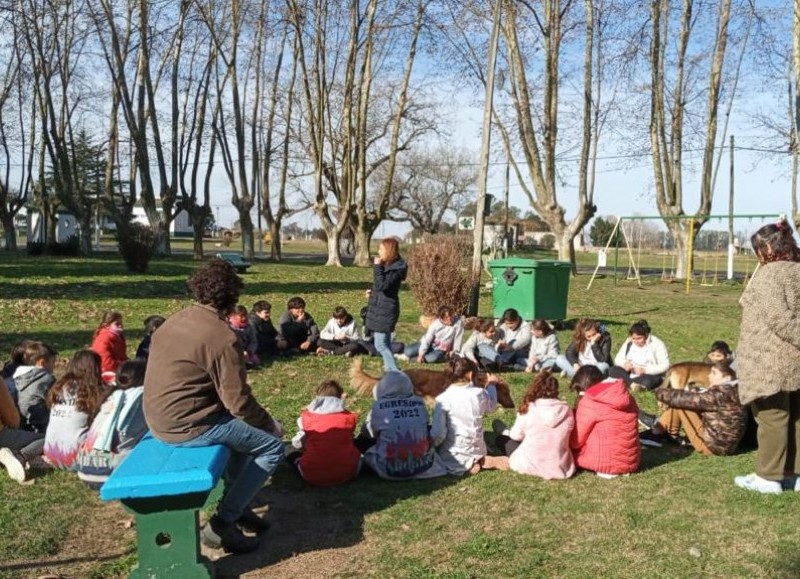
(306, 519)
(656, 457)
(28, 566)
(67, 340)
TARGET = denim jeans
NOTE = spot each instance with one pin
(432, 356)
(383, 344)
(506, 357)
(565, 365)
(255, 456)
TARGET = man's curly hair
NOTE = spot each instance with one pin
(216, 284)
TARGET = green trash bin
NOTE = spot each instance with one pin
(535, 288)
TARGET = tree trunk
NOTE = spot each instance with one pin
(363, 239)
(334, 236)
(85, 236)
(275, 243)
(197, 240)
(246, 226)
(680, 234)
(9, 233)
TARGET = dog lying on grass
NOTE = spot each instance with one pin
(427, 383)
(681, 375)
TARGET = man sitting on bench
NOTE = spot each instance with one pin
(196, 394)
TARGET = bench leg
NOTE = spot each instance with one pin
(167, 541)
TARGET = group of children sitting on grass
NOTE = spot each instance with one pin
(92, 416)
(548, 438)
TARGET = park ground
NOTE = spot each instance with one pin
(681, 516)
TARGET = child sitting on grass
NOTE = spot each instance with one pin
(720, 351)
(395, 437)
(544, 346)
(270, 343)
(538, 443)
(109, 344)
(590, 346)
(606, 435)
(117, 428)
(151, 324)
(713, 419)
(513, 344)
(74, 402)
(16, 360)
(248, 340)
(340, 335)
(485, 335)
(33, 381)
(325, 438)
(442, 338)
(20, 450)
(298, 327)
(457, 425)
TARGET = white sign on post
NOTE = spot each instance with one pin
(601, 258)
(466, 223)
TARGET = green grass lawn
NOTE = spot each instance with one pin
(681, 516)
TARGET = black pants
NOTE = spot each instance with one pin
(649, 381)
(506, 444)
(341, 347)
(369, 347)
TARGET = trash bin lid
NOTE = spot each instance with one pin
(519, 262)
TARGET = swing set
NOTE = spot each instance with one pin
(713, 247)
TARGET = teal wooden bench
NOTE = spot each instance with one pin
(235, 260)
(164, 486)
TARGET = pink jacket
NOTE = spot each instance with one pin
(544, 431)
(606, 435)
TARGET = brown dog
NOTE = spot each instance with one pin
(427, 383)
(681, 375)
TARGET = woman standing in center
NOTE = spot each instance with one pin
(384, 302)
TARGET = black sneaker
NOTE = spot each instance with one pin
(647, 420)
(219, 534)
(650, 438)
(249, 521)
(498, 426)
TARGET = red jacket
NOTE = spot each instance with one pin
(606, 434)
(111, 348)
(330, 457)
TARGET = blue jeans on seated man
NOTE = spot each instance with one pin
(432, 356)
(255, 454)
(516, 358)
(565, 365)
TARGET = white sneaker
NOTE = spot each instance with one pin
(401, 357)
(753, 482)
(14, 464)
(563, 374)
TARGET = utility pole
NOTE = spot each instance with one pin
(731, 246)
(505, 227)
(483, 173)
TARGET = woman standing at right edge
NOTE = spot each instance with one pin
(769, 359)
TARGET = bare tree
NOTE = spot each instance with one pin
(55, 39)
(16, 112)
(134, 36)
(357, 117)
(676, 83)
(430, 184)
(540, 43)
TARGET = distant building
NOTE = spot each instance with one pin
(66, 227)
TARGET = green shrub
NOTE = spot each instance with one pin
(36, 248)
(137, 244)
(71, 247)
